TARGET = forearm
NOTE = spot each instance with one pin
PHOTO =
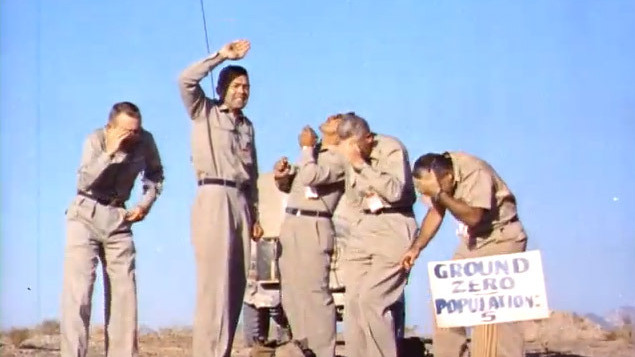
(153, 175)
(150, 195)
(311, 173)
(91, 171)
(193, 74)
(94, 163)
(388, 186)
(192, 94)
(471, 216)
(429, 227)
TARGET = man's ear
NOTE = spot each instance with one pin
(369, 138)
(220, 95)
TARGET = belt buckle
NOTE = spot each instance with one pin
(298, 212)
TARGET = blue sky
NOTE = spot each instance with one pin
(543, 90)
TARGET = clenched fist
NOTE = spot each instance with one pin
(307, 137)
(281, 167)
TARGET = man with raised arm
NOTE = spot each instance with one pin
(224, 213)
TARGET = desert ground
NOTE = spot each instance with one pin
(563, 334)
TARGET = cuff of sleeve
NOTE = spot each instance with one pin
(147, 200)
(214, 58)
(306, 155)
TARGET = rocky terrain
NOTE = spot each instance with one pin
(563, 334)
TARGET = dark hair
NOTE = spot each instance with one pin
(227, 75)
(352, 125)
(124, 107)
(441, 164)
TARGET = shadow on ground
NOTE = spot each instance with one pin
(422, 347)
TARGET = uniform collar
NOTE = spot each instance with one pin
(225, 109)
(374, 152)
(455, 167)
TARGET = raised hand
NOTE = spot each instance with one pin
(307, 137)
(281, 167)
(115, 136)
(235, 50)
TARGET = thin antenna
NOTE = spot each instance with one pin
(211, 76)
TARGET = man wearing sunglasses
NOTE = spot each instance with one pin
(480, 200)
(99, 228)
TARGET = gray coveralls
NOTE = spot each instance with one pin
(372, 271)
(307, 240)
(97, 231)
(225, 207)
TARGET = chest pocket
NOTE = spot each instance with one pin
(245, 145)
(231, 142)
(223, 135)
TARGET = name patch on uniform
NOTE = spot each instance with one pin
(494, 289)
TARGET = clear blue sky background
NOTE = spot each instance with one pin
(543, 90)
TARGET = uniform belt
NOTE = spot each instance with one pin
(309, 213)
(385, 210)
(487, 231)
(222, 182)
(114, 202)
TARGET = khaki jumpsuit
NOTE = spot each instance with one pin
(225, 207)
(372, 271)
(500, 232)
(307, 241)
(96, 231)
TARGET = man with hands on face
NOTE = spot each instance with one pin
(379, 186)
(480, 200)
(225, 211)
(100, 228)
(315, 186)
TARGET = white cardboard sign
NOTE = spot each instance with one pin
(487, 290)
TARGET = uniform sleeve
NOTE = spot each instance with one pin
(192, 94)
(94, 163)
(329, 170)
(388, 178)
(152, 176)
(477, 189)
